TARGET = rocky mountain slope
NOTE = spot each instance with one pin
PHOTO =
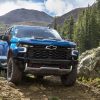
(25, 15)
(75, 13)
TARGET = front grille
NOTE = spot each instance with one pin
(39, 52)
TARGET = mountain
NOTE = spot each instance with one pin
(36, 17)
(32, 23)
(75, 13)
(25, 15)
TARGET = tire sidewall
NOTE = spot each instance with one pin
(16, 73)
(70, 78)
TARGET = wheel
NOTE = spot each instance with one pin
(14, 74)
(70, 79)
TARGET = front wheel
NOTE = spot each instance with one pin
(14, 74)
(70, 79)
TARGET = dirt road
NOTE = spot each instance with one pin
(48, 89)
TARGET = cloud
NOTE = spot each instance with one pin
(84, 3)
(6, 6)
(52, 7)
(60, 7)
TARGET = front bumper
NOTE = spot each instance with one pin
(49, 66)
(47, 70)
(48, 61)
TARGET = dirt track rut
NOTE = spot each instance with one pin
(48, 89)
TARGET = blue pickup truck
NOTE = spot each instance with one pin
(39, 51)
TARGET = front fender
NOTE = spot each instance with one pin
(3, 53)
(3, 48)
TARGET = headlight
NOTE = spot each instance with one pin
(75, 53)
(22, 49)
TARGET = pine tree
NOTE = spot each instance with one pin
(98, 8)
(79, 31)
(94, 29)
(64, 30)
(67, 29)
(87, 28)
(98, 19)
(55, 23)
(71, 28)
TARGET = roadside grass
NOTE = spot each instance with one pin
(90, 81)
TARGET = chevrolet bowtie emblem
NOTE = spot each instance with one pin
(51, 47)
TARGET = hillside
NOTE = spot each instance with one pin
(36, 17)
(66, 16)
(75, 13)
(25, 15)
(32, 23)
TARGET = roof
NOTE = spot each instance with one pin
(27, 26)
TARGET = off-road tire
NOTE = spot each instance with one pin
(70, 79)
(14, 74)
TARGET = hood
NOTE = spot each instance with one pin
(64, 43)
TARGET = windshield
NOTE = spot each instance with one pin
(37, 33)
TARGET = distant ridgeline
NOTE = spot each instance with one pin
(25, 15)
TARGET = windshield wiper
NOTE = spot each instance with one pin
(54, 39)
(46, 38)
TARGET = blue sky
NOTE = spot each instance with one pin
(51, 7)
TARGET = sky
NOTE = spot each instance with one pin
(51, 7)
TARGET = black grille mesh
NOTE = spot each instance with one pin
(40, 52)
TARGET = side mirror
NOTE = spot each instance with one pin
(4, 38)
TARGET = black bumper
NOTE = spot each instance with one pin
(48, 61)
(51, 69)
(47, 70)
